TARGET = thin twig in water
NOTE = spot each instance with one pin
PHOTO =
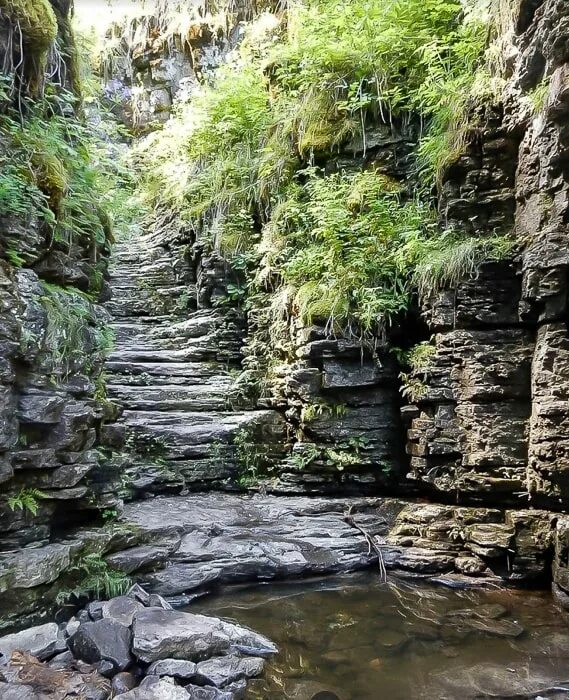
(371, 543)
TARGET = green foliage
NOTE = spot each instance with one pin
(538, 96)
(313, 410)
(224, 160)
(14, 258)
(347, 454)
(251, 455)
(47, 170)
(419, 358)
(70, 326)
(303, 457)
(95, 578)
(344, 251)
(27, 500)
(109, 515)
(446, 259)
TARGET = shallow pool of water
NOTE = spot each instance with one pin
(359, 639)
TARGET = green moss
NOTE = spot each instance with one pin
(36, 20)
(51, 177)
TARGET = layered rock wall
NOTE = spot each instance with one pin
(490, 423)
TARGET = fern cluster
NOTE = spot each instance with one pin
(95, 578)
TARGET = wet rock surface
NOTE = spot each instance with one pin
(151, 655)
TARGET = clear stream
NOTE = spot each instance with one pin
(355, 638)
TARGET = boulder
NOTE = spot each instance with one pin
(122, 683)
(154, 688)
(176, 668)
(9, 691)
(105, 640)
(233, 692)
(43, 642)
(223, 670)
(163, 634)
(122, 609)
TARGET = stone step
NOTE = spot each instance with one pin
(187, 434)
(196, 352)
(184, 372)
(198, 397)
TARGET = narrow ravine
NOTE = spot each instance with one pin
(284, 351)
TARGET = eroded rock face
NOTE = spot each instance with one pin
(491, 422)
(51, 357)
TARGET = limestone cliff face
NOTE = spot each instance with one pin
(491, 423)
(51, 323)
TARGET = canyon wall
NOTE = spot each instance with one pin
(54, 247)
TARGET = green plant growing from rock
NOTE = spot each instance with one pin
(252, 456)
(300, 459)
(348, 453)
(27, 500)
(420, 359)
(313, 410)
(538, 96)
(95, 578)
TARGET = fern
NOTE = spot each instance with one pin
(27, 500)
(96, 578)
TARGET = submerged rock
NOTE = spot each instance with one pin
(223, 670)
(156, 689)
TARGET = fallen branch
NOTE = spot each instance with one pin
(371, 543)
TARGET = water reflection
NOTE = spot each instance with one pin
(354, 638)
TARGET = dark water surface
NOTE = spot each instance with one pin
(364, 640)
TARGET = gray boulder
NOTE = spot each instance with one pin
(235, 691)
(122, 609)
(176, 668)
(105, 640)
(163, 634)
(223, 670)
(122, 683)
(9, 691)
(43, 642)
(154, 688)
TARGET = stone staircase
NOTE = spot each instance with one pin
(171, 374)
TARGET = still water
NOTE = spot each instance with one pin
(355, 638)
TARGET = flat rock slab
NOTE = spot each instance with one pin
(169, 634)
(158, 689)
(42, 642)
(223, 670)
(227, 538)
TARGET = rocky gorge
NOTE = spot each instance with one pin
(171, 413)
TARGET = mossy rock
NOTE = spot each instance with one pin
(51, 178)
(36, 19)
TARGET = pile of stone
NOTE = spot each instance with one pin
(136, 647)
